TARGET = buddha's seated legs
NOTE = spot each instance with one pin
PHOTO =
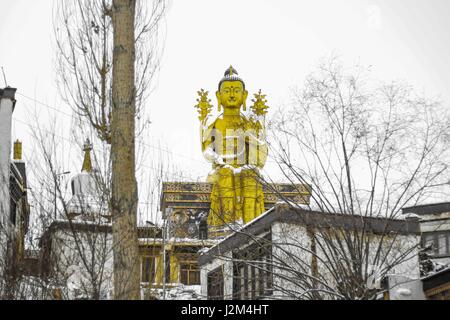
(224, 205)
(252, 195)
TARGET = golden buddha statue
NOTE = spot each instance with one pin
(236, 146)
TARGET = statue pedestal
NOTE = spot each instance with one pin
(191, 202)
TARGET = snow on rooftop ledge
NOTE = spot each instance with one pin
(410, 216)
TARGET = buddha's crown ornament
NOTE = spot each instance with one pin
(231, 75)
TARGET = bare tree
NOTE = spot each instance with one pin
(367, 149)
(84, 58)
(106, 65)
(70, 228)
(71, 242)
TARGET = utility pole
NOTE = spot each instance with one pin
(166, 230)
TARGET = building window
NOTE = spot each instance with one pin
(439, 242)
(167, 268)
(189, 273)
(148, 269)
(13, 211)
(216, 284)
(252, 271)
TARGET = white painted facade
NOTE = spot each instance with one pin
(295, 241)
(403, 288)
(226, 263)
(80, 244)
(6, 111)
(81, 260)
(300, 240)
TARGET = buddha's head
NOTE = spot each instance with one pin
(231, 93)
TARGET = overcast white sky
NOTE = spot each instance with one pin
(272, 44)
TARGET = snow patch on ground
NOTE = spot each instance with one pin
(177, 292)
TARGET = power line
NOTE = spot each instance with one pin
(45, 105)
(88, 123)
(71, 141)
(39, 129)
(138, 142)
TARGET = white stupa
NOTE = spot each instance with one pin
(88, 202)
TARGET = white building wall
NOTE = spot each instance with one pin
(6, 110)
(435, 222)
(79, 258)
(224, 261)
(402, 288)
(291, 250)
(298, 256)
(294, 240)
(409, 265)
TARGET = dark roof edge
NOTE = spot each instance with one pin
(436, 280)
(431, 208)
(9, 93)
(78, 226)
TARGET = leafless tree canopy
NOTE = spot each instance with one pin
(366, 147)
(107, 55)
(84, 47)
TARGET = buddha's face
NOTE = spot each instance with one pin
(231, 94)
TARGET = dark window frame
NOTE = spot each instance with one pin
(253, 279)
(216, 284)
(435, 240)
(189, 273)
(148, 270)
(13, 211)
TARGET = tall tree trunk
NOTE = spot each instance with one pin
(124, 188)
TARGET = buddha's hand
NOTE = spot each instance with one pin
(204, 104)
(213, 157)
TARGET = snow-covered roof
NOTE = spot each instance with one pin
(179, 241)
